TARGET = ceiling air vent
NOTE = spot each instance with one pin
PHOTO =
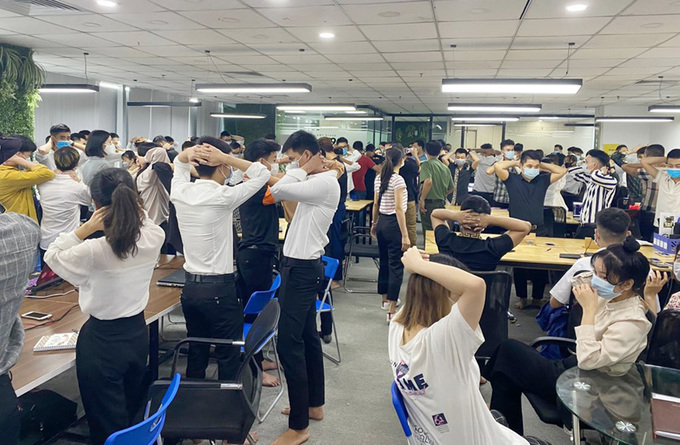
(656, 82)
(27, 7)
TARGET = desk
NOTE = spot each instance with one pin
(358, 206)
(36, 368)
(505, 213)
(616, 406)
(538, 253)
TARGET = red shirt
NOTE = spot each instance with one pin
(358, 176)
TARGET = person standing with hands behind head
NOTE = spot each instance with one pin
(389, 227)
(113, 273)
(95, 150)
(436, 184)
(500, 192)
(668, 182)
(317, 192)
(204, 213)
(600, 190)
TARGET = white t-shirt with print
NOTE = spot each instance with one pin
(439, 378)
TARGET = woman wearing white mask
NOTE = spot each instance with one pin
(95, 149)
(129, 159)
(612, 334)
(153, 184)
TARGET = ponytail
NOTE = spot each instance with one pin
(393, 157)
(114, 188)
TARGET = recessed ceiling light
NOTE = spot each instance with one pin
(107, 3)
(316, 107)
(512, 86)
(238, 116)
(496, 108)
(353, 118)
(389, 14)
(326, 35)
(577, 7)
(485, 118)
(664, 109)
(194, 100)
(634, 119)
(257, 88)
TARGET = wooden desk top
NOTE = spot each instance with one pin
(36, 368)
(357, 206)
(544, 253)
(505, 213)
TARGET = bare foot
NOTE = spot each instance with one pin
(482, 380)
(521, 304)
(536, 302)
(315, 413)
(336, 284)
(292, 437)
(268, 365)
(270, 381)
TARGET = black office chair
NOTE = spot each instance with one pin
(214, 409)
(360, 245)
(494, 321)
(664, 347)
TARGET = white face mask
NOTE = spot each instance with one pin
(275, 168)
(294, 164)
(111, 148)
(227, 178)
(676, 270)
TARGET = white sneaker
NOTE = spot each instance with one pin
(385, 305)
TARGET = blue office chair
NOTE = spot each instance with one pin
(257, 301)
(325, 305)
(400, 408)
(148, 431)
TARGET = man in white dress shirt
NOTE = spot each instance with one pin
(317, 192)
(204, 212)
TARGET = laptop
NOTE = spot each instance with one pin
(46, 279)
(175, 279)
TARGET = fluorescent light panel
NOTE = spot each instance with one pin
(69, 88)
(475, 125)
(497, 108)
(164, 104)
(634, 119)
(256, 88)
(512, 86)
(353, 118)
(485, 118)
(664, 109)
(238, 116)
(316, 107)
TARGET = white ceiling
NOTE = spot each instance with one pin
(394, 51)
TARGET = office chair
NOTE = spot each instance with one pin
(325, 307)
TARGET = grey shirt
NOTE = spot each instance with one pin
(93, 165)
(19, 237)
(485, 183)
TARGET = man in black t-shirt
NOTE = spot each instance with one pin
(527, 194)
(475, 215)
(409, 171)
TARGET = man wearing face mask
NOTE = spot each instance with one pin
(204, 213)
(461, 170)
(667, 180)
(60, 136)
(317, 192)
(500, 192)
(527, 195)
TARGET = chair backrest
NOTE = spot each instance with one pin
(147, 431)
(400, 408)
(263, 328)
(664, 347)
(494, 321)
(330, 266)
(258, 300)
(276, 284)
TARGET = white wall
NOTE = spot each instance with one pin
(544, 135)
(628, 133)
(103, 111)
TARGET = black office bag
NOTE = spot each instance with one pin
(44, 414)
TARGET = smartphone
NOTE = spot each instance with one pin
(34, 315)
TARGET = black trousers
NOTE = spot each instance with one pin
(647, 225)
(536, 375)
(213, 310)
(538, 278)
(391, 272)
(111, 358)
(9, 412)
(299, 344)
(255, 271)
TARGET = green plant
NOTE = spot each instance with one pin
(20, 78)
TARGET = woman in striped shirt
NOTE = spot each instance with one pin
(389, 226)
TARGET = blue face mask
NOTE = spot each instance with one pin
(673, 172)
(509, 155)
(344, 151)
(604, 288)
(531, 173)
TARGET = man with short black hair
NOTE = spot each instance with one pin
(60, 135)
(317, 192)
(19, 236)
(461, 170)
(474, 216)
(16, 194)
(649, 188)
(436, 184)
(419, 149)
(668, 182)
(560, 155)
(204, 212)
(484, 183)
(600, 190)
(500, 192)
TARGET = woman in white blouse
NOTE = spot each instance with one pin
(113, 273)
(612, 334)
(389, 227)
(432, 343)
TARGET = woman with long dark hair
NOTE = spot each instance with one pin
(113, 273)
(153, 183)
(95, 149)
(389, 227)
